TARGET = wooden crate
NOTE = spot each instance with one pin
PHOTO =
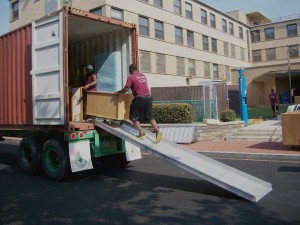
(291, 128)
(107, 105)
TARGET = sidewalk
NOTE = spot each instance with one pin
(250, 149)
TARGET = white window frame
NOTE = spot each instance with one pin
(180, 66)
(144, 30)
(188, 10)
(160, 63)
(117, 13)
(190, 38)
(178, 38)
(145, 61)
(192, 67)
(159, 33)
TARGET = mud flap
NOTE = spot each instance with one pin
(80, 156)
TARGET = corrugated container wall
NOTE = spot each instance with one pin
(15, 78)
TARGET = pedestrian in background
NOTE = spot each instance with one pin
(274, 103)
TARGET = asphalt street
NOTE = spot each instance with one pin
(148, 191)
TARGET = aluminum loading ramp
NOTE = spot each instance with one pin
(233, 180)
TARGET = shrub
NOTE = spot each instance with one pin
(173, 113)
(228, 115)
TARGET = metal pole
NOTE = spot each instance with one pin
(290, 81)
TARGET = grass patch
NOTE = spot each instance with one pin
(262, 112)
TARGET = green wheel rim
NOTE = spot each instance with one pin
(52, 160)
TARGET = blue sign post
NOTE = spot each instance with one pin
(243, 96)
(285, 97)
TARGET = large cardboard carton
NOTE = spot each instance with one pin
(291, 128)
(107, 105)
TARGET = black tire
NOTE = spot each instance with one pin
(117, 161)
(55, 158)
(29, 155)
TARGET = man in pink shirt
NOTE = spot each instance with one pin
(141, 106)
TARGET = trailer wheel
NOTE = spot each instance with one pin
(55, 159)
(117, 161)
(29, 155)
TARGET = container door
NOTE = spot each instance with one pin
(47, 71)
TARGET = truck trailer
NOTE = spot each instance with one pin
(41, 64)
(41, 71)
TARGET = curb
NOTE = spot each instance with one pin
(231, 155)
(253, 156)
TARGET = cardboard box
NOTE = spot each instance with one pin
(291, 128)
(107, 105)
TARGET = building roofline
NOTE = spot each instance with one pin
(220, 12)
(278, 20)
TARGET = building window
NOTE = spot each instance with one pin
(271, 54)
(203, 16)
(232, 51)
(180, 66)
(231, 30)
(188, 10)
(293, 51)
(269, 33)
(214, 46)
(291, 30)
(206, 70)
(241, 35)
(158, 3)
(117, 13)
(97, 11)
(226, 52)
(178, 36)
(255, 36)
(190, 38)
(160, 63)
(143, 26)
(177, 6)
(212, 20)
(159, 30)
(15, 10)
(192, 68)
(242, 54)
(256, 55)
(227, 73)
(216, 70)
(205, 43)
(224, 25)
(145, 61)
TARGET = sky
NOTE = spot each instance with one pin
(270, 8)
(4, 16)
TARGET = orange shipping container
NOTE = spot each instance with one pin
(40, 63)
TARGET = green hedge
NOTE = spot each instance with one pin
(228, 115)
(174, 113)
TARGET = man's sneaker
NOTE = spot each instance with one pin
(141, 136)
(158, 136)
